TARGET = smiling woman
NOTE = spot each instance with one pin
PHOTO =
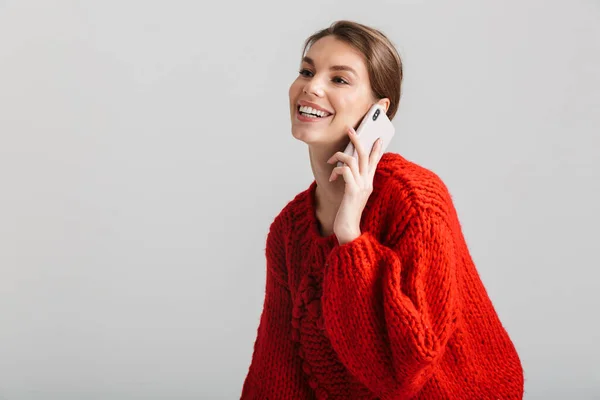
(371, 292)
(354, 70)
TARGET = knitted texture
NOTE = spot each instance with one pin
(398, 313)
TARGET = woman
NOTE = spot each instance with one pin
(371, 292)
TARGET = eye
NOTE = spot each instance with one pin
(337, 79)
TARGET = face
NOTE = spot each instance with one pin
(333, 78)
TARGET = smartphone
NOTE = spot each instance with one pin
(374, 125)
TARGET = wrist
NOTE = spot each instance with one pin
(348, 237)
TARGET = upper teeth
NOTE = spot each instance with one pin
(310, 110)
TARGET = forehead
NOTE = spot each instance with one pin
(329, 51)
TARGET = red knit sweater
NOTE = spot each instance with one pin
(398, 313)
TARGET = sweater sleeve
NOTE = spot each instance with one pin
(275, 371)
(390, 310)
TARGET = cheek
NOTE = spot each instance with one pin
(294, 90)
(357, 105)
(346, 102)
(346, 108)
(349, 111)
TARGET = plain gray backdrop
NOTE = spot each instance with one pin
(145, 148)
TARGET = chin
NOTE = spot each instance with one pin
(312, 140)
(304, 135)
(308, 136)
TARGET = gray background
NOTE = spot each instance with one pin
(145, 148)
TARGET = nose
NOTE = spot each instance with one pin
(313, 87)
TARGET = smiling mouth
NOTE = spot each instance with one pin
(309, 115)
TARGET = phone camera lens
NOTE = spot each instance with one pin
(376, 115)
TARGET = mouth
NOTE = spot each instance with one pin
(308, 114)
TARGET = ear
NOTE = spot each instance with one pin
(385, 103)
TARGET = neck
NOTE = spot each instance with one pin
(328, 194)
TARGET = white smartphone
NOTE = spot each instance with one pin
(374, 125)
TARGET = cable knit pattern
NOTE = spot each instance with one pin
(398, 313)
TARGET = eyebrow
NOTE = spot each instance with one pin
(333, 67)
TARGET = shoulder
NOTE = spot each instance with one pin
(275, 249)
(413, 185)
(285, 221)
(279, 237)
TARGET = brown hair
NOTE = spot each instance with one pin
(381, 57)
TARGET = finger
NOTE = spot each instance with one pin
(363, 160)
(335, 172)
(345, 158)
(376, 154)
(345, 171)
(349, 176)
